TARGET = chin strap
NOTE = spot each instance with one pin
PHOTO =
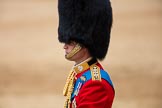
(76, 49)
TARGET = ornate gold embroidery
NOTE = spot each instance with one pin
(68, 89)
(95, 72)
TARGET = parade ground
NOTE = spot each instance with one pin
(33, 69)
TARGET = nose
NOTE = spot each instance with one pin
(65, 46)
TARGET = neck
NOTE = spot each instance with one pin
(84, 58)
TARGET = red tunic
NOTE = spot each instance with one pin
(94, 94)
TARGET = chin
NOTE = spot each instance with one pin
(72, 59)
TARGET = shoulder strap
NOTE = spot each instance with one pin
(87, 76)
(104, 75)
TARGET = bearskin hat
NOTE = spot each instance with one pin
(87, 22)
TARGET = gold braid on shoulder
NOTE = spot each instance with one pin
(68, 88)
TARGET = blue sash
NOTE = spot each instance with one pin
(87, 75)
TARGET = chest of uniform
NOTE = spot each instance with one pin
(77, 88)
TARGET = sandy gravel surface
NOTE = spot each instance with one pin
(32, 65)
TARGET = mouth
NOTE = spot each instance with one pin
(66, 53)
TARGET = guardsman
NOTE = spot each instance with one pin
(84, 28)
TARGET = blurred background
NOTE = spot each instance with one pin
(33, 69)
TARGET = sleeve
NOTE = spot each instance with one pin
(95, 94)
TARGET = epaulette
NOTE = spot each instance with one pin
(101, 74)
(95, 72)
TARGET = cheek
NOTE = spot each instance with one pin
(81, 53)
(69, 48)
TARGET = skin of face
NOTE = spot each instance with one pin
(80, 56)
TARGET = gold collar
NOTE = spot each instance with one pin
(82, 66)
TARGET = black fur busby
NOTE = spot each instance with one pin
(87, 22)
